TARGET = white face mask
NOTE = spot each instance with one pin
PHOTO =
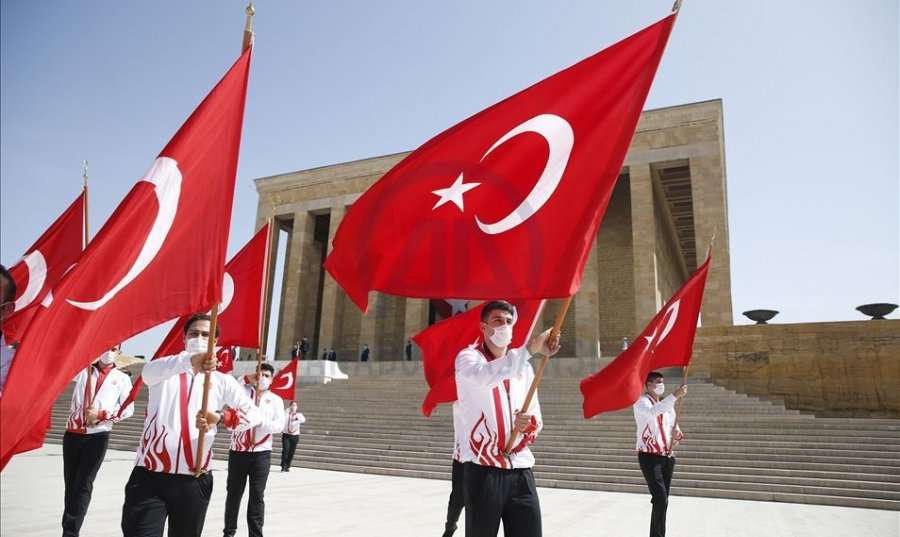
(659, 389)
(264, 383)
(108, 357)
(196, 345)
(502, 335)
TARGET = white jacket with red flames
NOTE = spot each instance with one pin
(489, 395)
(169, 441)
(259, 438)
(654, 422)
(110, 387)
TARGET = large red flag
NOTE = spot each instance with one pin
(441, 342)
(667, 341)
(43, 265)
(284, 383)
(160, 255)
(508, 202)
(239, 312)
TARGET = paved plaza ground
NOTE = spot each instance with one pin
(319, 503)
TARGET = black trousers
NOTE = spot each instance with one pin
(82, 456)
(288, 447)
(657, 471)
(151, 497)
(241, 466)
(493, 495)
(457, 498)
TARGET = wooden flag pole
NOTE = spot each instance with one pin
(207, 380)
(85, 237)
(248, 28)
(264, 306)
(539, 373)
(685, 369)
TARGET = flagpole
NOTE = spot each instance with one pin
(85, 237)
(214, 312)
(264, 307)
(539, 373)
(685, 369)
(204, 408)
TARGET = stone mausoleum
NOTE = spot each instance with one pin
(668, 202)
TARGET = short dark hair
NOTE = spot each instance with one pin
(267, 367)
(652, 376)
(495, 305)
(199, 317)
(10, 285)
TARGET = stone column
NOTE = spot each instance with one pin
(416, 320)
(711, 214)
(643, 231)
(586, 309)
(332, 313)
(300, 252)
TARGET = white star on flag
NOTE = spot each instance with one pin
(454, 193)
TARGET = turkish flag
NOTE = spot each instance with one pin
(225, 355)
(239, 311)
(667, 341)
(160, 255)
(441, 342)
(284, 383)
(43, 265)
(508, 202)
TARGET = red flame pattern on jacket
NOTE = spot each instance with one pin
(153, 446)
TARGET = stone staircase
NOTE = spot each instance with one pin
(736, 446)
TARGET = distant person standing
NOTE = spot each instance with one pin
(325, 353)
(408, 350)
(290, 436)
(655, 419)
(332, 355)
(295, 351)
(364, 355)
(304, 347)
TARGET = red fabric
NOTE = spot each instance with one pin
(284, 383)
(238, 321)
(441, 342)
(181, 274)
(667, 341)
(52, 255)
(33, 439)
(395, 238)
(225, 356)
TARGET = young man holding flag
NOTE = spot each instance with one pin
(657, 435)
(162, 484)
(7, 306)
(91, 417)
(492, 381)
(251, 455)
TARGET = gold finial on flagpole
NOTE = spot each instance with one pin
(84, 171)
(248, 27)
(676, 6)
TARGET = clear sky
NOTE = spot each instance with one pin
(810, 93)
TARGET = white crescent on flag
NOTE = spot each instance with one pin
(37, 275)
(288, 384)
(165, 177)
(227, 292)
(560, 137)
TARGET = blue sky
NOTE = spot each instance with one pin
(810, 95)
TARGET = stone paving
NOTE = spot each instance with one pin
(322, 503)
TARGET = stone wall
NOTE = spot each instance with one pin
(832, 369)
